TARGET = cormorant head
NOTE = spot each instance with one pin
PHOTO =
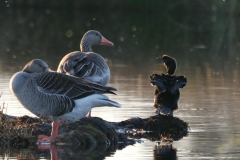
(170, 63)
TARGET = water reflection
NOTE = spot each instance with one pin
(166, 152)
(203, 39)
(97, 152)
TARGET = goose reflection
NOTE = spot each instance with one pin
(88, 151)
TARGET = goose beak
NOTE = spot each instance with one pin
(106, 42)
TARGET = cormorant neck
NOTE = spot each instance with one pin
(85, 46)
(171, 69)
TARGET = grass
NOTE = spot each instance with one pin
(12, 129)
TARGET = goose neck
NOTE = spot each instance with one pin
(85, 46)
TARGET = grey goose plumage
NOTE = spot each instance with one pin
(91, 38)
(87, 64)
(55, 95)
(91, 66)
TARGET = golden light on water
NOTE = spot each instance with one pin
(203, 40)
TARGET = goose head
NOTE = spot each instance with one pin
(36, 66)
(93, 37)
(170, 64)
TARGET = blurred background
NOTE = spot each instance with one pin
(202, 35)
(140, 30)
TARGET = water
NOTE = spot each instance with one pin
(204, 42)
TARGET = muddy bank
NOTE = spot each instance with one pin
(24, 130)
(158, 127)
(155, 123)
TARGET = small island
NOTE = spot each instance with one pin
(24, 131)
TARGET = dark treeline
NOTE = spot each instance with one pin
(130, 5)
(140, 30)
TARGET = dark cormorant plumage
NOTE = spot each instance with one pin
(167, 87)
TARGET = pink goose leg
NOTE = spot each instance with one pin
(54, 135)
(54, 152)
(89, 114)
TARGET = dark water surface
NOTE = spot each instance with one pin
(205, 42)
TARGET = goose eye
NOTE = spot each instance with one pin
(96, 34)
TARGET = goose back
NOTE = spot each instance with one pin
(51, 94)
(91, 66)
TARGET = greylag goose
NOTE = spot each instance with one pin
(61, 97)
(167, 87)
(87, 64)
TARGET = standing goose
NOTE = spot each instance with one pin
(87, 64)
(167, 87)
(58, 96)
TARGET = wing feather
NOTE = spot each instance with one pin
(70, 86)
(89, 66)
(61, 90)
(181, 82)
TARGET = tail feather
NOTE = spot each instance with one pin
(112, 103)
(100, 100)
(110, 90)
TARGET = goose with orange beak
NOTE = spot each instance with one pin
(87, 64)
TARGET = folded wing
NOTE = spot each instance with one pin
(89, 66)
(63, 89)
